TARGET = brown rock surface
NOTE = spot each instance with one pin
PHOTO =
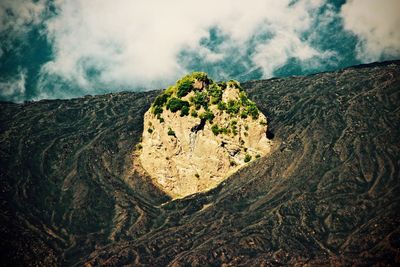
(192, 161)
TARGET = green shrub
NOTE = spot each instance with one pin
(221, 106)
(252, 110)
(139, 146)
(234, 130)
(157, 110)
(233, 107)
(197, 175)
(184, 111)
(223, 130)
(234, 84)
(170, 90)
(207, 115)
(185, 85)
(200, 99)
(150, 130)
(161, 100)
(193, 114)
(171, 132)
(243, 114)
(258, 156)
(175, 104)
(263, 123)
(222, 85)
(201, 76)
(247, 158)
(243, 98)
(215, 129)
(215, 92)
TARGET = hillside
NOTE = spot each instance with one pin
(329, 195)
(198, 132)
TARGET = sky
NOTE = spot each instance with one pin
(70, 48)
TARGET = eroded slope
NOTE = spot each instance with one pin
(329, 195)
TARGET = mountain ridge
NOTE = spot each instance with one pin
(328, 195)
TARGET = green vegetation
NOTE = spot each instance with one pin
(200, 76)
(200, 100)
(234, 129)
(247, 158)
(258, 156)
(252, 110)
(161, 119)
(233, 107)
(216, 93)
(194, 114)
(234, 84)
(219, 130)
(223, 130)
(188, 97)
(157, 110)
(215, 129)
(221, 105)
(208, 115)
(171, 132)
(222, 85)
(197, 175)
(161, 100)
(185, 85)
(184, 111)
(150, 130)
(175, 104)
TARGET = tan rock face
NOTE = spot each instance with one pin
(186, 154)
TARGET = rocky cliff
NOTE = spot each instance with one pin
(198, 132)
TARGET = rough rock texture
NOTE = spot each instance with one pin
(329, 196)
(194, 159)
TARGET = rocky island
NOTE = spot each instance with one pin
(198, 132)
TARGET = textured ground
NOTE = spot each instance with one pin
(329, 194)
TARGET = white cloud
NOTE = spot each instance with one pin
(376, 24)
(276, 52)
(13, 89)
(19, 15)
(136, 43)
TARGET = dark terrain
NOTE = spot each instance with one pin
(329, 195)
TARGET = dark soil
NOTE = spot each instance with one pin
(328, 195)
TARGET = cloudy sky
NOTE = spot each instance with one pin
(71, 48)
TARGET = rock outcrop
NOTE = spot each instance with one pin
(198, 132)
